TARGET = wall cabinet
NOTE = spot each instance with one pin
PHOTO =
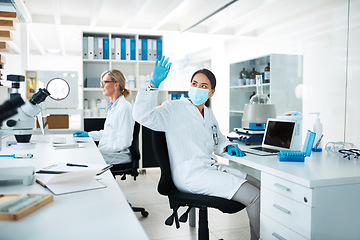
(284, 86)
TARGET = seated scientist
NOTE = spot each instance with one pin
(116, 138)
(193, 134)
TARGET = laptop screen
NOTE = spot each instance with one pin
(279, 133)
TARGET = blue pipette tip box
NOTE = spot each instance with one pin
(298, 156)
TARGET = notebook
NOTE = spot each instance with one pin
(278, 136)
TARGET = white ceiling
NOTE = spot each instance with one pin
(58, 24)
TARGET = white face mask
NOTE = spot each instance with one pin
(198, 95)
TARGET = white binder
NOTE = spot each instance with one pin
(117, 49)
(150, 54)
(139, 50)
(85, 48)
(96, 49)
(100, 48)
(90, 47)
(113, 49)
(154, 49)
(128, 49)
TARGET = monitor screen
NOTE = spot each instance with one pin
(279, 133)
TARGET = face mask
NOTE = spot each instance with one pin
(198, 96)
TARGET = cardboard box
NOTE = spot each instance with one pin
(55, 122)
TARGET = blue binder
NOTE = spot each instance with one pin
(132, 49)
(144, 49)
(123, 49)
(106, 48)
(159, 48)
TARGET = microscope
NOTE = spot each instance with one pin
(23, 122)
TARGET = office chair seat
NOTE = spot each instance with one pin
(131, 168)
(179, 199)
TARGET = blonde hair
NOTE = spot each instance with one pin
(118, 77)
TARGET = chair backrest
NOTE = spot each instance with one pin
(162, 156)
(134, 148)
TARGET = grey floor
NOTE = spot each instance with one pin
(143, 192)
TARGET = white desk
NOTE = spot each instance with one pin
(315, 199)
(94, 214)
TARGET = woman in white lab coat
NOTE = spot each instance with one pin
(116, 138)
(192, 135)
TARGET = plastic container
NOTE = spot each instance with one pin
(298, 156)
(318, 129)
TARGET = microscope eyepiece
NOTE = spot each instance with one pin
(39, 96)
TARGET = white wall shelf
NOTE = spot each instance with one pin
(285, 76)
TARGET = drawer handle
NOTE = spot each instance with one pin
(282, 187)
(281, 209)
(278, 236)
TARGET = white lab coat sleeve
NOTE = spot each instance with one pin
(124, 123)
(96, 135)
(147, 113)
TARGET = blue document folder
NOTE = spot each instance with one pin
(123, 49)
(159, 48)
(132, 49)
(144, 49)
(106, 48)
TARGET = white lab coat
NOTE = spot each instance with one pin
(190, 143)
(116, 138)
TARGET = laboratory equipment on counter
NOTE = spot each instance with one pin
(317, 128)
(297, 116)
(22, 124)
(298, 156)
(25, 174)
(249, 137)
(258, 110)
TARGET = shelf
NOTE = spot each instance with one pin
(96, 60)
(249, 86)
(92, 89)
(236, 111)
(94, 117)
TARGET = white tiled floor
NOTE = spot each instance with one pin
(143, 193)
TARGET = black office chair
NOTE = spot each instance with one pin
(179, 199)
(132, 167)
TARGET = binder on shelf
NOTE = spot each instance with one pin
(159, 48)
(90, 47)
(106, 48)
(132, 49)
(150, 55)
(123, 49)
(118, 48)
(113, 49)
(154, 53)
(100, 48)
(144, 49)
(139, 50)
(127, 48)
(96, 48)
(85, 48)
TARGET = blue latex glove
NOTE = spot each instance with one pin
(232, 150)
(81, 134)
(161, 71)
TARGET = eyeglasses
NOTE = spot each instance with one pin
(102, 84)
(215, 136)
(347, 153)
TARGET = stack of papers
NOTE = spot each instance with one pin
(62, 178)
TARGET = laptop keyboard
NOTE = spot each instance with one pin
(269, 150)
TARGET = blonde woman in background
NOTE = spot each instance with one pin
(116, 138)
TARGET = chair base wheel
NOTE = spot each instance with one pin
(144, 213)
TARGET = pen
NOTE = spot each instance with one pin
(75, 165)
(318, 142)
(104, 170)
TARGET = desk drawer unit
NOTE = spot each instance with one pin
(272, 230)
(287, 204)
(291, 190)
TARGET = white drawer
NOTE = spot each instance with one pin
(286, 211)
(292, 190)
(272, 230)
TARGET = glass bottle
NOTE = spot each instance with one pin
(267, 74)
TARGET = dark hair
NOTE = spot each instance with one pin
(210, 76)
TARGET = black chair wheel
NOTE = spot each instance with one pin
(144, 213)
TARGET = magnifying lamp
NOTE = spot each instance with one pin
(58, 88)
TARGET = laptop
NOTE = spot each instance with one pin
(278, 136)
